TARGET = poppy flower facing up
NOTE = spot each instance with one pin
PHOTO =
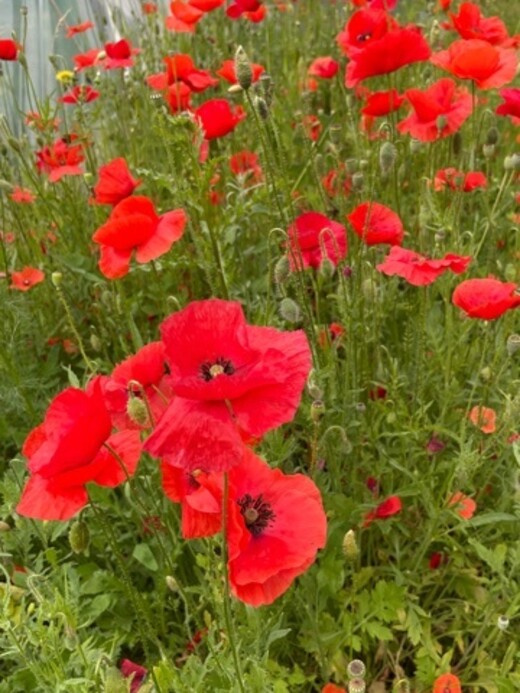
(276, 524)
(217, 118)
(486, 299)
(253, 10)
(463, 505)
(388, 508)
(511, 105)
(119, 55)
(374, 224)
(135, 225)
(312, 238)
(135, 672)
(447, 683)
(231, 381)
(73, 446)
(26, 278)
(419, 270)
(484, 418)
(60, 159)
(488, 66)
(438, 111)
(9, 50)
(115, 182)
(91, 58)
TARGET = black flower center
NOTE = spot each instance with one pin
(220, 366)
(256, 512)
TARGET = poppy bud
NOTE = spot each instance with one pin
(4, 527)
(281, 270)
(513, 344)
(387, 157)
(369, 289)
(486, 374)
(289, 310)
(327, 268)
(266, 83)
(356, 686)
(137, 411)
(317, 410)
(171, 583)
(358, 181)
(356, 669)
(492, 136)
(349, 546)
(95, 342)
(243, 70)
(79, 536)
(14, 144)
(56, 278)
(415, 146)
(262, 107)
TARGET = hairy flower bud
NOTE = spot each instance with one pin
(137, 411)
(243, 70)
(387, 157)
(171, 583)
(290, 310)
(262, 107)
(513, 344)
(79, 536)
(358, 181)
(317, 410)
(349, 546)
(492, 136)
(281, 270)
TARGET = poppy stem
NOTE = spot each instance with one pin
(227, 596)
(90, 364)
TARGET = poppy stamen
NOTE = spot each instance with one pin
(257, 513)
(220, 366)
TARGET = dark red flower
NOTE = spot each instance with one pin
(325, 68)
(181, 68)
(60, 159)
(9, 49)
(74, 29)
(381, 103)
(217, 118)
(419, 270)
(488, 66)
(135, 225)
(312, 237)
(389, 507)
(511, 105)
(227, 71)
(119, 55)
(276, 524)
(397, 48)
(134, 671)
(438, 111)
(470, 24)
(115, 182)
(230, 379)
(74, 446)
(374, 224)
(486, 299)
(249, 8)
(79, 94)
(26, 278)
(436, 560)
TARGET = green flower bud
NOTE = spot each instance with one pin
(317, 410)
(79, 536)
(281, 270)
(290, 310)
(387, 157)
(513, 344)
(243, 70)
(137, 411)
(350, 547)
(492, 136)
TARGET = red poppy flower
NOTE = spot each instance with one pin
(485, 418)
(397, 48)
(143, 377)
(119, 55)
(26, 278)
(457, 180)
(436, 560)
(464, 505)
(325, 68)
(79, 94)
(230, 379)
(9, 49)
(332, 688)
(337, 181)
(201, 510)
(115, 182)
(488, 66)
(91, 58)
(206, 5)
(388, 508)
(60, 159)
(363, 28)
(374, 223)
(74, 446)
(419, 270)
(74, 29)
(135, 225)
(227, 71)
(486, 299)
(447, 683)
(178, 97)
(276, 524)
(246, 164)
(181, 68)
(438, 111)
(312, 237)
(134, 671)
(470, 24)
(381, 103)
(247, 7)
(183, 18)
(149, 7)
(22, 195)
(511, 105)
(217, 118)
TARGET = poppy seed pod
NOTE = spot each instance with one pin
(356, 686)
(356, 669)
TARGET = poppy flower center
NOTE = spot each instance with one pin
(220, 366)
(256, 512)
(26, 282)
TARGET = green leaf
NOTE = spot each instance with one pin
(143, 553)
(495, 558)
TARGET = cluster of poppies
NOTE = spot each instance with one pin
(200, 397)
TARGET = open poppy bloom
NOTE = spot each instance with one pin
(26, 278)
(419, 270)
(72, 447)
(184, 17)
(324, 68)
(231, 380)
(470, 24)
(181, 68)
(217, 118)
(22, 195)
(488, 66)
(312, 238)
(486, 299)
(484, 418)
(438, 111)
(253, 10)
(91, 58)
(60, 159)
(246, 164)
(206, 5)
(227, 71)
(119, 55)
(381, 103)
(464, 505)
(135, 225)
(149, 8)
(374, 224)
(276, 524)
(388, 508)
(457, 180)
(79, 94)
(74, 29)
(511, 105)
(363, 28)
(9, 50)
(447, 683)
(115, 182)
